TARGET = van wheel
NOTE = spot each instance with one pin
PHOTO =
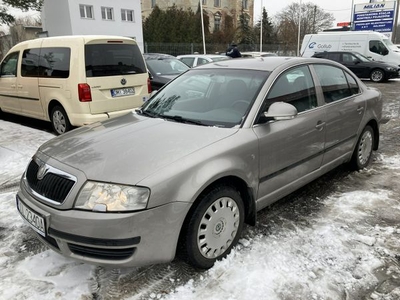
(59, 120)
(377, 75)
(214, 227)
(363, 151)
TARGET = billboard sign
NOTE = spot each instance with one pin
(378, 16)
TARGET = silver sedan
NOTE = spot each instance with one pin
(182, 174)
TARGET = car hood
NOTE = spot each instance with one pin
(130, 148)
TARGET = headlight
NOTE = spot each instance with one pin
(390, 69)
(98, 196)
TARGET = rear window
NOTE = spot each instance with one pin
(113, 59)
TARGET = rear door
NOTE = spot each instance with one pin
(8, 83)
(344, 108)
(117, 75)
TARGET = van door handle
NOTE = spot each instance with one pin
(13, 86)
(20, 86)
(360, 109)
(320, 125)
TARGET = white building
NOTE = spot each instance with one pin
(75, 17)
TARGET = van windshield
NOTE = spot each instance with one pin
(113, 59)
(387, 42)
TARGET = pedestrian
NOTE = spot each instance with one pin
(233, 51)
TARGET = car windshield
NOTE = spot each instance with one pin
(166, 66)
(208, 97)
(362, 57)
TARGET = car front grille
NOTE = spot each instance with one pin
(102, 253)
(52, 186)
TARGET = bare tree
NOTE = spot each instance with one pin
(313, 19)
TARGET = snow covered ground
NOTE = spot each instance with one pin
(337, 238)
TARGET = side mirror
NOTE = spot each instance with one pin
(385, 52)
(356, 62)
(281, 111)
(150, 76)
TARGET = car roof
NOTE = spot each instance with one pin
(157, 56)
(200, 55)
(262, 63)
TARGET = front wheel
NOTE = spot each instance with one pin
(363, 151)
(377, 75)
(59, 120)
(214, 227)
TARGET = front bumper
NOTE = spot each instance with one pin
(112, 239)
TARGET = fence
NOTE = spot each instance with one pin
(190, 48)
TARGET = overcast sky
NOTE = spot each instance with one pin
(341, 9)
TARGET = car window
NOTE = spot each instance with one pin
(218, 97)
(113, 59)
(188, 60)
(349, 58)
(9, 65)
(167, 66)
(378, 47)
(201, 61)
(334, 56)
(354, 88)
(333, 82)
(296, 87)
(46, 62)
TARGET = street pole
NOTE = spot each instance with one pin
(298, 34)
(202, 26)
(261, 26)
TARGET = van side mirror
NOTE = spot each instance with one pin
(385, 52)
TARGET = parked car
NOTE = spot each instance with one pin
(182, 174)
(193, 60)
(362, 66)
(73, 80)
(257, 54)
(163, 68)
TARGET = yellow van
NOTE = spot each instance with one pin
(73, 80)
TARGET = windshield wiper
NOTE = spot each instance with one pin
(180, 119)
(145, 113)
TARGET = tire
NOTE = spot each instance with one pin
(59, 120)
(214, 227)
(377, 75)
(363, 151)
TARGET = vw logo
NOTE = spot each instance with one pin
(123, 81)
(41, 172)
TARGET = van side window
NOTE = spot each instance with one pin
(46, 62)
(113, 59)
(296, 87)
(9, 65)
(378, 47)
(333, 83)
(30, 63)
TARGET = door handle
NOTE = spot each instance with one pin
(320, 125)
(13, 86)
(360, 109)
(20, 86)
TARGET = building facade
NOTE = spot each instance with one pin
(215, 9)
(117, 17)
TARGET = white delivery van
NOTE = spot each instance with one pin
(73, 80)
(369, 43)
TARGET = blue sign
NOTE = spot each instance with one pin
(374, 15)
(380, 26)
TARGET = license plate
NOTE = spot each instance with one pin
(122, 92)
(33, 218)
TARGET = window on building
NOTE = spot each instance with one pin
(107, 13)
(86, 11)
(204, 2)
(245, 4)
(217, 3)
(153, 3)
(127, 15)
(217, 22)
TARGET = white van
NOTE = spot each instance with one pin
(369, 43)
(73, 80)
